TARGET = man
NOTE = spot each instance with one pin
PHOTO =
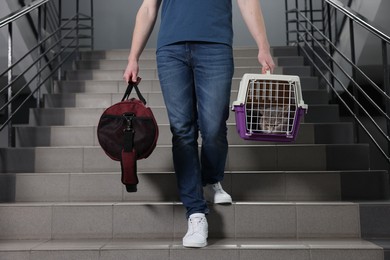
(195, 69)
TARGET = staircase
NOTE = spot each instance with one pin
(63, 199)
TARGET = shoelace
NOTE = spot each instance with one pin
(217, 187)
(197, 224)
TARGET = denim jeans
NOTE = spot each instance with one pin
(195, 79)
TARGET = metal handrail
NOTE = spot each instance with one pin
(22, 12)
(329, 84)
(361, 20)
(319, 47)
(31, 66)
(383, 113)
(49, 59)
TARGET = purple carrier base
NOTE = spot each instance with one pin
(269, 137)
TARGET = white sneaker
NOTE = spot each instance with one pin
(217, 194)
(197, 231)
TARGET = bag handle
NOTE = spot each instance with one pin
(130, 88)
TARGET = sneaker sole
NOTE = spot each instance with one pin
(223, 201)
(195, 245)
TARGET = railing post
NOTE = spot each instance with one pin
(313, 56)
(323, 18)
(39, 78)
(355, 92)
(93, 28)
(329, 14)
(312, 21)
(336, 29)
(77, 28)
(287, 23)
(9, 96)
(59, 73)
(331, 51)
(297, 21)
(305, 13)
(386, 84)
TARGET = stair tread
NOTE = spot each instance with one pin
(84, 70)
(90, 115)
(229, 243)
(279, 156)
(260, 145)
(163, 124)
(48, 108)
(174, 202)
(226, 172)
(169, 249)
(150, 62)
(143, 80)
(233, 92)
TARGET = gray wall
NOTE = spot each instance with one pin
(114, 22)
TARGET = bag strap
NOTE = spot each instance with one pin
(130, 88)
(129, 170)
(129, 157)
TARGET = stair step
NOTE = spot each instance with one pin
(263, 186)
(309, 157)
(309, 83)
(31, 136)
(106, 74)
(172, 249)
(121, 54)
(147, 85)
(151, 63)
(284, 51)
(315, 96)
(375, 220)
(289, 60)
(319, 113)
(167, 220)
(383, 243)
(94, 86)
(276, 51)
(103, 100)
(80, 116)
(91, 116)
(113, 74)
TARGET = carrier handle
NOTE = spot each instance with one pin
(130, 87)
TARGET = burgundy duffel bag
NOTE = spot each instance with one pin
(127, 132)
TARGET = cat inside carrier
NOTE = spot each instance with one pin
(269, 107)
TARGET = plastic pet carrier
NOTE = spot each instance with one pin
(269, 107)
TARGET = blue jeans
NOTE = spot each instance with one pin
(195, 79)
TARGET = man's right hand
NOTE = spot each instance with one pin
(131, 72)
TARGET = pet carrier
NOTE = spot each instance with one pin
(269, 107)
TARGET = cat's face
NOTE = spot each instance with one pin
(274, 119)
(268, 105)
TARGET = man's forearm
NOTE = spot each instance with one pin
(145, 20)
(253, 17)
